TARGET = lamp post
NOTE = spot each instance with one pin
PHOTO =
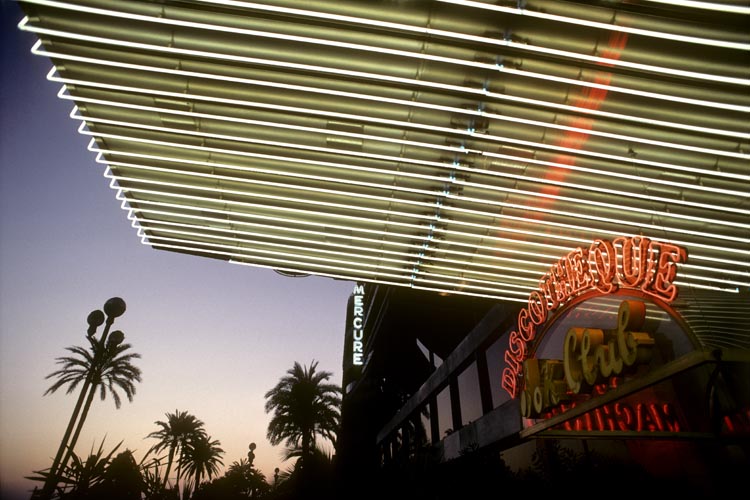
(113, 308)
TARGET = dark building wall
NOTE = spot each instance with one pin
(389, 439)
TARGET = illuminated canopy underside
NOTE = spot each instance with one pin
(454, 146)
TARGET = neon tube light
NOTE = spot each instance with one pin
(369, 210)
(242, 139)
(379, 242)
(720, 7)
(392, 79)
(697, 285)
(453, 35)
(209, 231)
(408, 203)
(278, 256)
(426, 192)
(598, 25)
(498, 117)
(604, 267)
(499, 96)
(679, 242)
(448, 196)
(484, 226)
(531, 144)
(253, 253)
(352, 258)
(430, 178)
(222, 214)
(573, 151)
(352, 228)
(419, 227)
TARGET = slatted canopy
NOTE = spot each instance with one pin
(454, 146)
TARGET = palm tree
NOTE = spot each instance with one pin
(304, 406)
(245, 479)
(113, 371)
(201, 457)
(174, 434)
(84, 475)
(106, 368)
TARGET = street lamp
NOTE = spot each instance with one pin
(113, 308)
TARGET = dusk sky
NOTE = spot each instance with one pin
(214, 337)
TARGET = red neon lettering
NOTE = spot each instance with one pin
(537, 308)
(610, 422)
(650, 266)
(728, 423)
(508, 381)
(645, 420)
(649, 417)
(513, 364)
(546, 288)
(526, 329)
(566, 425)
(634, 265)
(599, 419)
(603, 260)
(517, 349)
(653, 411)
(577, 270)
(561, 285)
(587, 423)
(669, 256)
(625, 416)
(670, 419)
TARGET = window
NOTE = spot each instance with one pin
(469, 396)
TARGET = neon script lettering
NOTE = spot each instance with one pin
(591, 357)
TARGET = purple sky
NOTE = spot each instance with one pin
(213, 337)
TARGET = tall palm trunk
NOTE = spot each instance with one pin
(170, 459)
(197, 482)
(92, 391)
(179, 472)
(306, 448)
(51, 482)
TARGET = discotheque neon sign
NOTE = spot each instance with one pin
(627, 262)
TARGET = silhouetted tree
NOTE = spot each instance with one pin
(122, 479)
(246, 479)
(312, 478)
(174, 434)
(241, 481)
(201, 457)
(153, 483)
(304, 406)
(79, 479)
(107, 368)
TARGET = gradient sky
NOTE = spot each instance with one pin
(214, 337)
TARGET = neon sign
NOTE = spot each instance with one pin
(591, 357)
(639, 417)
(633, 262)
(358, 315)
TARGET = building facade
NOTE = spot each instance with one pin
(607, 372)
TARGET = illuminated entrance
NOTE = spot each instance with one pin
(605, 356)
